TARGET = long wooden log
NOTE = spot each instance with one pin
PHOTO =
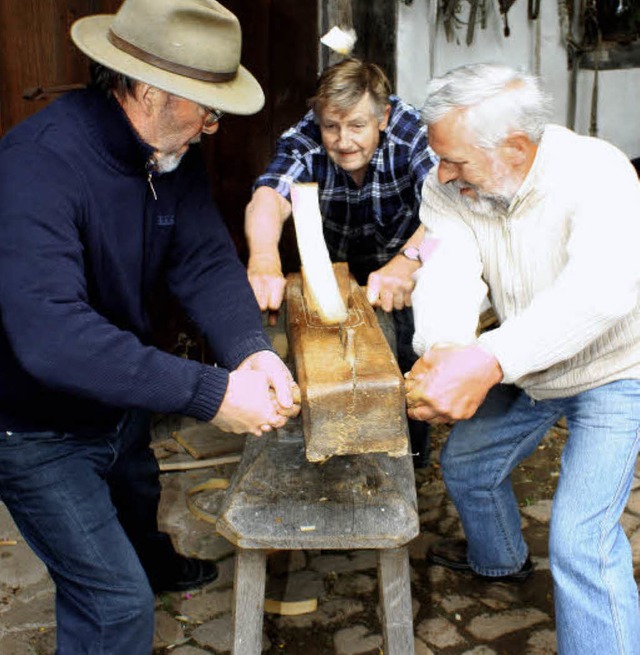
(352, 389)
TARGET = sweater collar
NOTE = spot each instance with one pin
(535, 178)
(112, 135)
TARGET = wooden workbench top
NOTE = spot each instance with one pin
(278, 499)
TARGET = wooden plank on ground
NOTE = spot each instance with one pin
(204, 440)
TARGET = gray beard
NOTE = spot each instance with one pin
(167, 162)
(485, 204)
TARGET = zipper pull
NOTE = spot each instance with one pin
(149, 180)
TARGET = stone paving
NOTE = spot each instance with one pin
(454, 614)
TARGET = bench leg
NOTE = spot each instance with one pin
(248, 602)
(395, 597)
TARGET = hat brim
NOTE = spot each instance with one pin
(242, 95)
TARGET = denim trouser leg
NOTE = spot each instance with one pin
(54, 486)
(419, 431)
(596, 596)
(135, 475)
(477, 461)
(398, 328)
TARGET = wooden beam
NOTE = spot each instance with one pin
(352, 389)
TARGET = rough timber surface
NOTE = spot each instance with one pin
(279, 499)
(204, 440)
(351, 387)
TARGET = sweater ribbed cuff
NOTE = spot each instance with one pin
(209, 394)
(512, 370)
(253, 344)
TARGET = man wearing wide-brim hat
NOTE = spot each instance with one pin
(102, 199)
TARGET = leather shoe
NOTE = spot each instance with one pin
(187, 573)
(452, 554)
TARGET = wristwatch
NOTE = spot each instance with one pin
(412, 253)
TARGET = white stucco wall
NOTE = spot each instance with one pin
(424, 51)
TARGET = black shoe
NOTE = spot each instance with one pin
(452, 554)
(187, 573)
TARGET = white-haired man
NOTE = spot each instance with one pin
(547, 220)
(102, 198)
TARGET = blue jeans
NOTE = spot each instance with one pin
(398, 327)
(81, 501)
(596, 597)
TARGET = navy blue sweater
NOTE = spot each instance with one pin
(83, 243)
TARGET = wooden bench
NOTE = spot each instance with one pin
(279, 500)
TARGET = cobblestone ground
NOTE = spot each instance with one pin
(454, 614)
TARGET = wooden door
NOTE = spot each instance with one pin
(36, 52)
(280, 47)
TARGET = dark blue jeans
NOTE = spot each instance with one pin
(85, 502)
(398, 327)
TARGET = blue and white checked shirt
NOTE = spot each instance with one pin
(364, 226)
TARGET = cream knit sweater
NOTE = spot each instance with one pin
(562, 267)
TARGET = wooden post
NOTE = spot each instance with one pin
(248, 602)
(395, 595)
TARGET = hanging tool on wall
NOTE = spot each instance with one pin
(589, 41)
(533, 13)
(505, 5)
(592, 40)
(452, 13)
(432, 29)
(471, 23)
(448, 11)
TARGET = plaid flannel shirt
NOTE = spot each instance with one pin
(364, 226)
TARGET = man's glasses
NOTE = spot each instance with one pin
(212, 116)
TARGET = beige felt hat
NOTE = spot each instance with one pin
(190, 48)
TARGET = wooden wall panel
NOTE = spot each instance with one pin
(280, 48)
(36, 51)
(375, 24)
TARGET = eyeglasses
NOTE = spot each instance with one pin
(212, 116)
